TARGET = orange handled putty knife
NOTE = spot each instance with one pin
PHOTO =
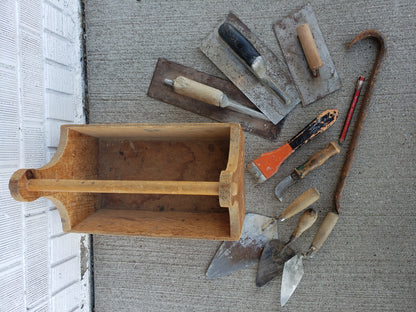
(268, 163)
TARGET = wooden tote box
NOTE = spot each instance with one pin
(164, 180)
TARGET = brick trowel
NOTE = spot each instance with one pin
(235, 256)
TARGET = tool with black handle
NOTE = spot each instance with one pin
(250, 57)
(267, 164)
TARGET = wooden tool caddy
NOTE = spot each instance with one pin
(165, 180)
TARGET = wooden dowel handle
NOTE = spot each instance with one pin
(323, 232)
(306, 220)
(130, 187)
(309, 47)
(302, 202)
(318, 159)
(197, 91)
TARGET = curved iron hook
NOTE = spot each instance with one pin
(371, 33)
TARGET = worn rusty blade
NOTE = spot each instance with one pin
(310, 88)
(232, 67)
(272, 260)
(170, 70)
(235, 256)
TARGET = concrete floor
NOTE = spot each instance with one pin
(368, 263)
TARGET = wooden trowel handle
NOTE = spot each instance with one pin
(309, 47)
(306, 220)
(197, 91)
(318, 159)
(302, 202)
(323, 232)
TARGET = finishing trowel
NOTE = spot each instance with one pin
(252, 67)
(235, 256)
(307, 55)
(293, 268)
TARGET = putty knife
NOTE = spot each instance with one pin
(261, 84)
(267, 164)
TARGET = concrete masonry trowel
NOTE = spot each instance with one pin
(235, 256)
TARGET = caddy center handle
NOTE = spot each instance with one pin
(302, 202)
(318, 159)
(323, 232)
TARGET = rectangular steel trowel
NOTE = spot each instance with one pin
(252, 67)
(307, 55)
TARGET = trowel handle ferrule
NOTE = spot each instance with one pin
(318, 159)
(238, 43)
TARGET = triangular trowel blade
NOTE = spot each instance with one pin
(292, 274)
(272, 261)
(234, 256)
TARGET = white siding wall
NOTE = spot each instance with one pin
(41, 88)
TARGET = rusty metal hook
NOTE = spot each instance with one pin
(371, 33)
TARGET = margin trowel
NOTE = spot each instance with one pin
(235, 256)
(293, 268)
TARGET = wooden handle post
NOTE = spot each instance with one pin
(318, 159)
(323, 232)
(130, 187)
(309, 48)
(302, 202)
(197, 91)
(306, 220)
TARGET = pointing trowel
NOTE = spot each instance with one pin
(276, 253)
(293, 268)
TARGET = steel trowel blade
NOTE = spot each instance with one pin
(292, 274)
(235, 256)
(272, 261)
